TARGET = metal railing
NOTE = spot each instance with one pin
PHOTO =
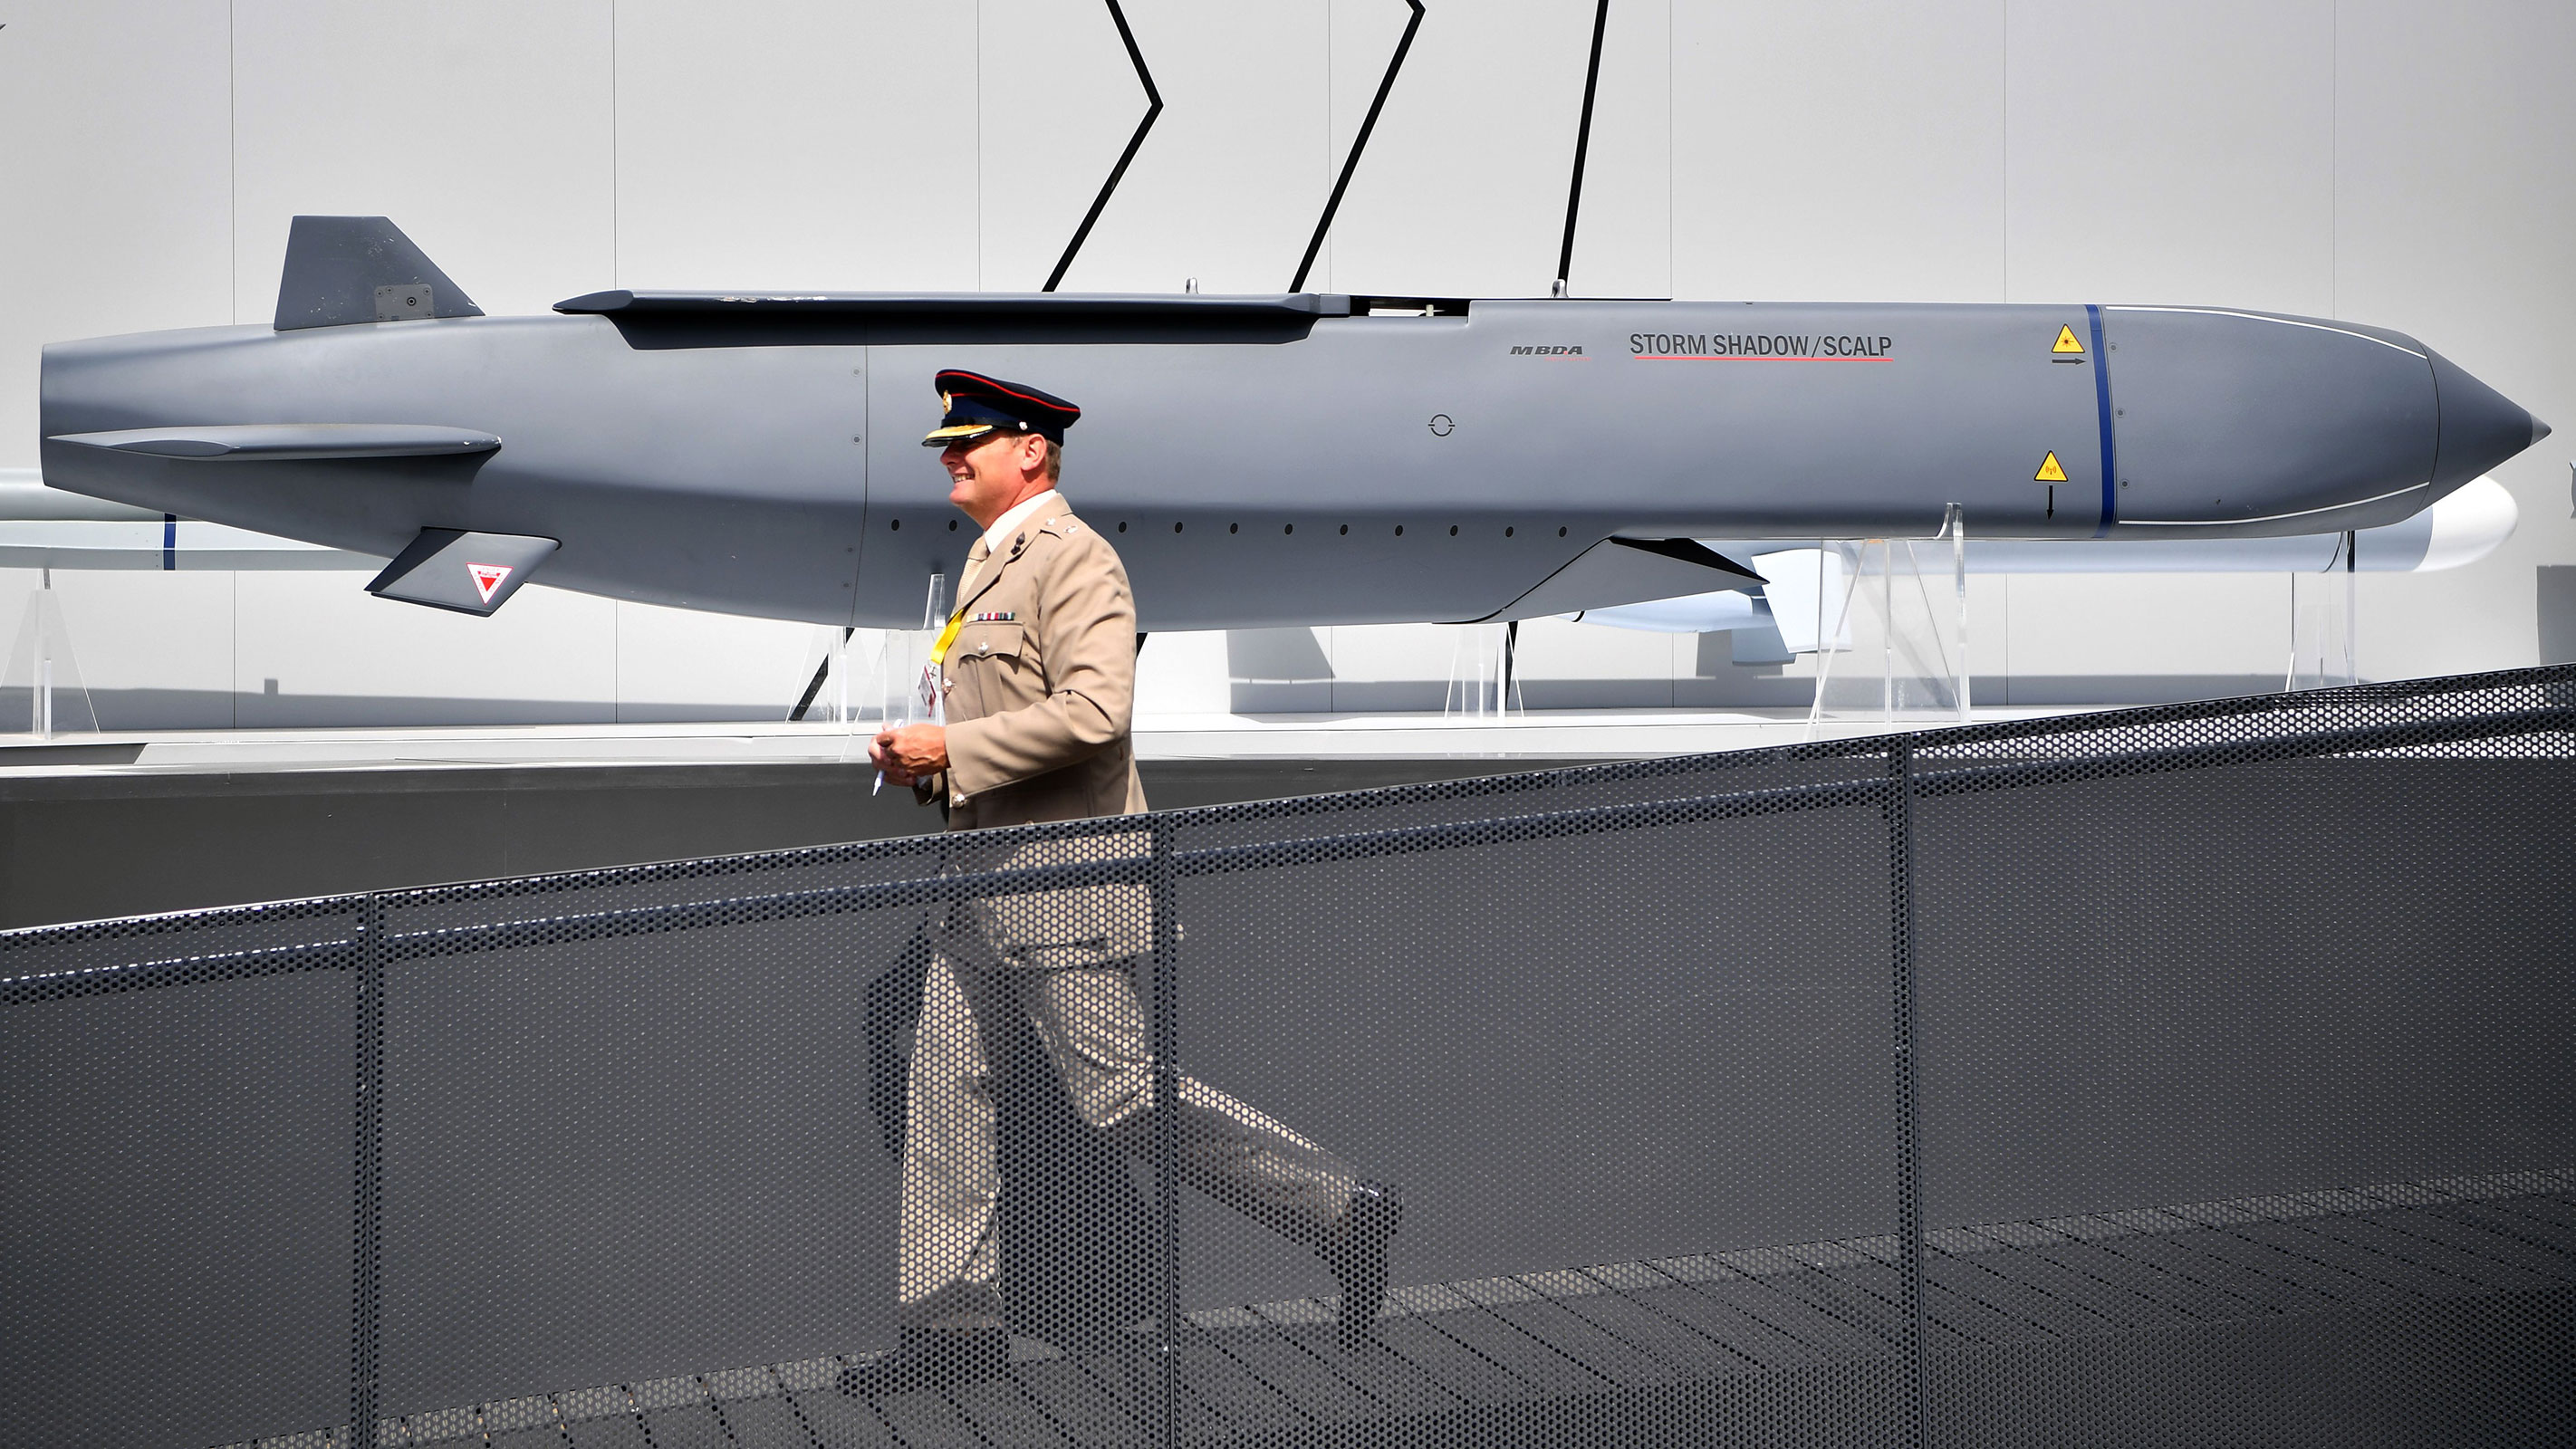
(592, 1135)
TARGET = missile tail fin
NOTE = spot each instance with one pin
(342, 270)
(1620, 571)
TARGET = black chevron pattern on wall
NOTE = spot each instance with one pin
(1153, 108)
(1359, 143)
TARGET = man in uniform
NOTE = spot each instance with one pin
(1037, 669)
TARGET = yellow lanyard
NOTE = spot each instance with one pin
(947, 636)
(965, 590)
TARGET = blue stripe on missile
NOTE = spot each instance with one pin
(2102, 411)
(169, 542)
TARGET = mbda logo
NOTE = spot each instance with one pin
(1547, 352)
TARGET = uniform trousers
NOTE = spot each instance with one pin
(1095, 1034)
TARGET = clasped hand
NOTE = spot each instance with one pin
(910, 752)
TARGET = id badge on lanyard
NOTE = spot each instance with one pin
(933, 699)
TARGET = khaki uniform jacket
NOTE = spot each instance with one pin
(1040, 688)
(1041, 682)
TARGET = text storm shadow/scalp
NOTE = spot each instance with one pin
(1743, 344)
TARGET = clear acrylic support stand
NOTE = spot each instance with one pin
(1480, 683)
(827, 672)
(904, 694)
(2323, 650)
(1894, 639)
(841, 710)
(42, 690)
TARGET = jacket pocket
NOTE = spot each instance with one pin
(988, 641)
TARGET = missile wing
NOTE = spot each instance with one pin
(1291, 459)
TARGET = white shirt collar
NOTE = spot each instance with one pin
(1009, 523)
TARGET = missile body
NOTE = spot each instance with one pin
(1266, 461)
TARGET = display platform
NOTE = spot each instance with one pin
(1609, 734)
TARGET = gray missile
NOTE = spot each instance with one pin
(1261, 460)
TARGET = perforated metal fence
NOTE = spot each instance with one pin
(2187, 1074)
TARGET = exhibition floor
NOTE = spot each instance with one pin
(1757, 1340)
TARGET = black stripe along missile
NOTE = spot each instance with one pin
(1264, 460)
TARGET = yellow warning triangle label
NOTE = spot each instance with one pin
(2050, 471)
(2066, 341)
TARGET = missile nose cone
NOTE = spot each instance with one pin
(2480, 427)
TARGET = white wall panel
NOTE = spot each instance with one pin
(1706, 676)
(821, 145)
(480, 126)
(115, 179)
(2457, 199)
(305, 652)
(153, 649)
(2179, 152)
(1058, 100)
(2135, 638)
(677, 664)
(1623, 244)
(1561, 664)
(1183, 672)
(1838, 150)
(1228, 184)
(1389, 666)
(1462, 189)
